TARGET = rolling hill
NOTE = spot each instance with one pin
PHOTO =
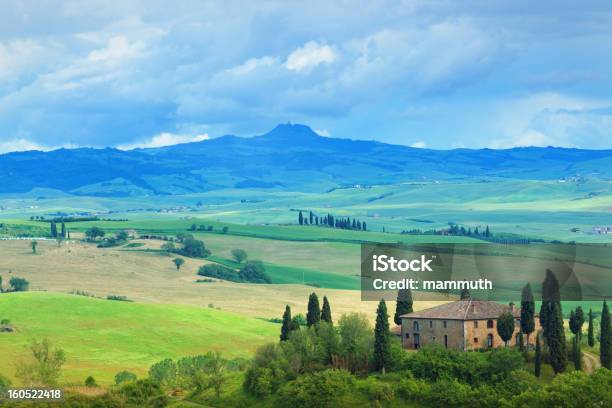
(289, 157)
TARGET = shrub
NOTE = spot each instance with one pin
(124, 376)
(19, 284)
(144, 393)
(376, 390)
(254, 272)
(268, 371)
(90, 382)
(5, 384)
(321, 389)
(164, 373)
(219, 272)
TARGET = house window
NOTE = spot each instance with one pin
(475, 324)
(475, 340)
(489, 340)
(444, 323)
(415, 326)
(430, 324)
(489, 324)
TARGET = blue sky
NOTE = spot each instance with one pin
(423, 73)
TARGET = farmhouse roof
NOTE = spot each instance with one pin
(471, 309)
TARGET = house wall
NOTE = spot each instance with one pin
(434, 333)
(461, 334)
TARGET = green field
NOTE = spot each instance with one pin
(102, 337)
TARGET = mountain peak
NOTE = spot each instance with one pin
(291, 132)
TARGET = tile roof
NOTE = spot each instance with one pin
(471, 309)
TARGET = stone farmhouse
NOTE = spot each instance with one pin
(461, 325)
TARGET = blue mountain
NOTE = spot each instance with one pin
(290, 157)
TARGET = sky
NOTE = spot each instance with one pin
(435, 74)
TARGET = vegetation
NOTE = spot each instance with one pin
(605, 341)
(505, 326)
(178, 262)
(239, 255)
(403, 305)
(382, 339)
(44, 366)
(19, 284)
(326, 315)
(552, 322)
(313, 316)
(527, 311)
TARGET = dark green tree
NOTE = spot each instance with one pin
(551, 319)
(465, 294)
(403, 305)
(239, 255)
(53, 229)
(63, 234)
(382, 339)
(313, 316)
(505, 326)
(527, 311)
(591, 330)
(326, 311)
(34, 245)
(538, 357)
(178, 262)
(287, 324)
(301, 218)
(605, 341)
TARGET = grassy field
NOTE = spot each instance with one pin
(102, 337)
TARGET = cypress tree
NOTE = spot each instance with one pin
(538, 357)
(326, 311)
(63, 230)
(552, 322)
(577, 353)
(287, 324)
(465, 294)
(314, 312)
(403, 305)
(527, 311)
(311, 217)
(591, 334)
(363, 226)
(301, 218)
(605, 342)
(521, 341)
(382, 338)
(505, 326)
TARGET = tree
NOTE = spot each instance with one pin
(93, 233)
(34, 245)
(591, 334)
(527, 311)
(505, 326)
(216, 373)
(164, 373)
(551, 319)
(90, 382)
(538, 357)
(178, 262)
(254, 272)
(19, 284)
(382, 338)
(168, 247)
(403, 305)
(326, 311)
(63, 234)
(239, 255)
(605, 340)
(45, 367)
(194, 248)
(465, 294)
(301, 218)
(124, 376)
(313, 316)
(287, 324)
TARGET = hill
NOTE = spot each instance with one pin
(289, 157)
(103, 337)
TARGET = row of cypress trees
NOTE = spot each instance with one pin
(313, 316)
(331, 221)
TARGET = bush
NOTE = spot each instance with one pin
(193, 248)
(321, 389)
(219, 272)
(124, 376)
(144, 393)
(254, 272)
(19, 284)
(5, 384)
(164, 373)
(268, 371)
(376, 390)
(90, 382)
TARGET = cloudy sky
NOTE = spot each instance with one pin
(422, 73)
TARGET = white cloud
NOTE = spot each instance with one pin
(21, 145)
(420, 144)
(251, 65)
(322, 132)
(309, 56)
(164, 139)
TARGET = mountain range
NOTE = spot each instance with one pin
(290, 157)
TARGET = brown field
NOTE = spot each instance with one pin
(150, 277)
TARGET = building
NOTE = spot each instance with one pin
(462, 325)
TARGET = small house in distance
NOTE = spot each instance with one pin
(461, 325)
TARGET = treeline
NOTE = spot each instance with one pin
(453, 229)
(208, 228)
(331, 221)
(190, 246)
(251, 272)
(68, 219)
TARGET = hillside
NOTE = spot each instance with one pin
(290, 157)
(102, 337)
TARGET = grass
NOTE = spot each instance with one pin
(102, 337)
